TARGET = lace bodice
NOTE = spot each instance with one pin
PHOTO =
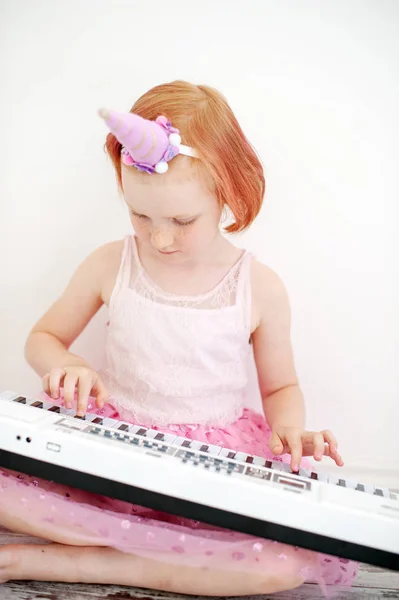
(173, 359)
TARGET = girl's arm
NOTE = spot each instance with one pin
(47, 346)
(283, 401)
(282, 398)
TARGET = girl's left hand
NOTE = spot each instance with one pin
(298, 443)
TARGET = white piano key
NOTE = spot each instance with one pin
(70, 412)
(258, 460)
(242, 456)
(9, 395)
(110, 423)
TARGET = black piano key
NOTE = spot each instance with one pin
(268, 464)
(20, 400)
(314, 475)
(54, 409)
(378, 492)
(342, 482)
(160, 437)
(249, 459)
(360, 487)
(186, 443)
(124, 427)
(231, 455)
(141, 431)
(37, 404)
(83, 418)
(98, 421)
(204, 448)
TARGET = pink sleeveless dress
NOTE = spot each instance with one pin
(178, 364)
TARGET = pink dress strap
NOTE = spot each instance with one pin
(124, 273)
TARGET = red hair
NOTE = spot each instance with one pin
(207, 123)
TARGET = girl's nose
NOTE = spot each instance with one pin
(161, 238)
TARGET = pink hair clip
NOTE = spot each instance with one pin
(146, 145)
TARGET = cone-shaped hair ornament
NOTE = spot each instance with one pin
(147, 145)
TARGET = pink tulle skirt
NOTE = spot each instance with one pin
(85, 518)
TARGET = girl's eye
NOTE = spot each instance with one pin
(139, 216)
(183, 223)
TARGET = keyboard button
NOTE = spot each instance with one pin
(82, 418)
(124, 427)
(20, 400)
(98, 421)
(55, 409)
(37, 404)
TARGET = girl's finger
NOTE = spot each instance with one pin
(333, 447)
(318, 446)
(70, 382)
(100, 393)
(85, 384)
(295, 445)
(276, 444)
(46, 384)
(55, 382)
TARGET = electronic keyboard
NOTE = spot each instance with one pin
(204, 482)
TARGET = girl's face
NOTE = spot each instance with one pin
(175, 215)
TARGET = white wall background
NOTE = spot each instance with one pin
(316, 88)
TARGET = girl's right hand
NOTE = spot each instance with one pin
(71, 378)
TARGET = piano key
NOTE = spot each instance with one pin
(8, 395)
(141, 431)
(241, 456)
(20, 399)
(284, 467)
(200, 446)
(227, 453)
(37, 404)
(157, 435)
(360, 487)
(55, 409)
(110, 423)
(98, 420)
(123, 427)
(90, 417)
(351, 484)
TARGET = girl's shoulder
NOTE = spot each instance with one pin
(266, 283)
(269, 294)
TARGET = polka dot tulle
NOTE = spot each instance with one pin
(69, 515)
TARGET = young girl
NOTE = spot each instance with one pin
(184, 306)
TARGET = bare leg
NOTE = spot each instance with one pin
(56, 562)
